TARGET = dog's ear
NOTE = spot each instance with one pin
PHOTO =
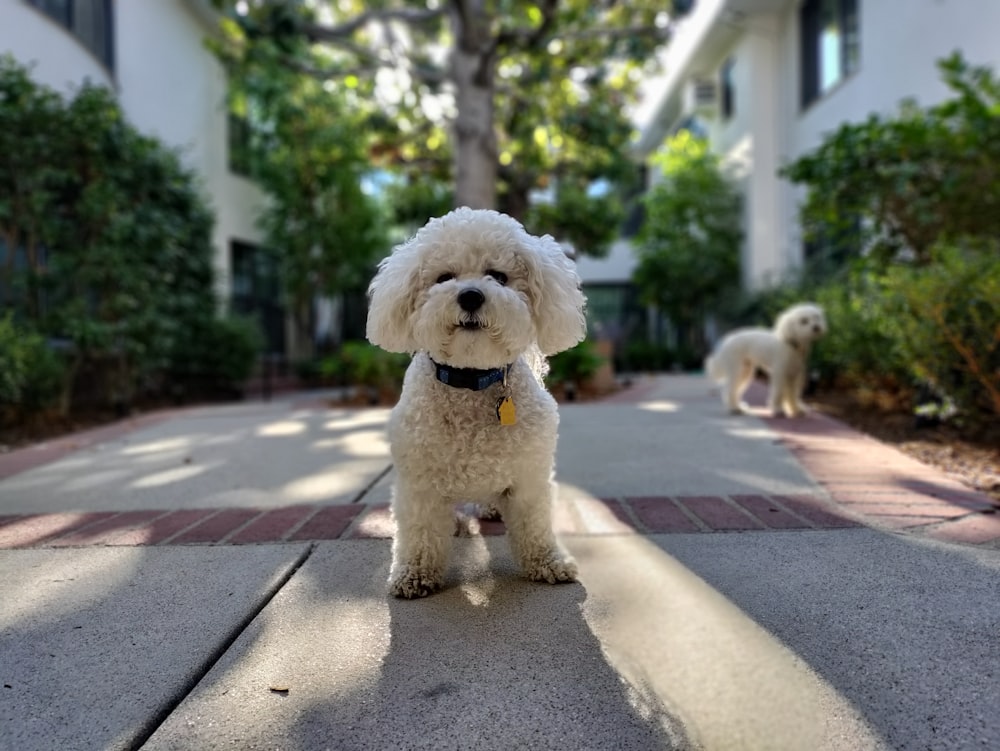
(392, 299)
(557, 300)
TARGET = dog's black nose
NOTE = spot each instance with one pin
(471, 299)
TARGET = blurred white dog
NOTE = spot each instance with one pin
(480, 302)
(781, 352)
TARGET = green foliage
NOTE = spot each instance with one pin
(949, 322)
(31, 373)
(912, 179)
(114, 235)
(559, 79)
(13, 361)
(217, 356)
(590, 223)
(641, 355)
(688, 246)
(359, 363)
(574, 365)
(309, 153)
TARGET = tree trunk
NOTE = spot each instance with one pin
(472, 62)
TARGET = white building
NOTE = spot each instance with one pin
(152, 54)
(766, 79)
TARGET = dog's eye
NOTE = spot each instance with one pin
(498, 275)
(445, 277)
(805, 321)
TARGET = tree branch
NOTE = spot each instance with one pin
(319, 33)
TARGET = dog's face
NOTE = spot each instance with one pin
(802, 324)
(474, 290)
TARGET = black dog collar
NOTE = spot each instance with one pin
(469, 378)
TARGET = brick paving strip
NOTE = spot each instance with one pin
(244, 526)
(886, 488)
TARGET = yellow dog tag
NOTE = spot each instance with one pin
(506, 412)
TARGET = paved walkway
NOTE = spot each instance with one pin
(214, 577)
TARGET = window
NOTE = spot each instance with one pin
(256, 292)
(90, 21)
(830, 45)
(240, 146)
(727, 101)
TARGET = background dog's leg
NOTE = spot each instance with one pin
(777, 388)
(797, 407)
(527, 514)
(736, 384)
(420, 546)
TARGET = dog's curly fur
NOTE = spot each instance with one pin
(447, 444)
(782, 352)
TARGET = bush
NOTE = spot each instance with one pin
(641, 355)
(115, 236)
(574, 365)
(359, 363)
(948, 316)
(31, 373)
(217, 357)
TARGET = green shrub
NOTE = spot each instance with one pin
(12, 365)
(216, 357)
(31, 373)
(359, 363)
(948, 315)
(642, 355)
(115, 234)
(862, 344)
(574, 365)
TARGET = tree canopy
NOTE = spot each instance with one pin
(689, 244)
(498, 100)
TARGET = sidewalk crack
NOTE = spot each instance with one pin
(153, 724)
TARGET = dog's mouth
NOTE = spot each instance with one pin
(470, 324)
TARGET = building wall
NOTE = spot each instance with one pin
(172, 87)
(899, 50)
(169, 86)
(901, 40)
(60, 61)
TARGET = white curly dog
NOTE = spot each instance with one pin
(781, 352)
(479, 302)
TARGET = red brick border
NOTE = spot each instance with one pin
(242, 526)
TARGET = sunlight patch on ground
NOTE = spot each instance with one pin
(341, 478)
(177, 474)
(740, 688)
(95, 479)
(749, 432)
(359, 419)
(167, 444)
(281, 428)
(659, 406)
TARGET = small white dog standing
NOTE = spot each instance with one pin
(782, 352)
(479, 302)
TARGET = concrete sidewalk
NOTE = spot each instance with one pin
(216, 579)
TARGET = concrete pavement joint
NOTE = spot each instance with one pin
(375, 481)
(157, 719)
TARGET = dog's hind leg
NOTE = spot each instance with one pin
(421, 544)
(527, 515)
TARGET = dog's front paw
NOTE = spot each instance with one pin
(554, 568)
(411, 583)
